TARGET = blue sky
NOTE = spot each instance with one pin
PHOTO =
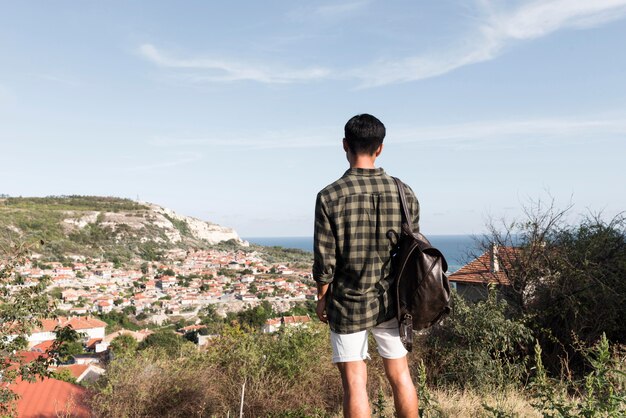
(233, 112)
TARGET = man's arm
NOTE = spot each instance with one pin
(320, 309)
(323, 256)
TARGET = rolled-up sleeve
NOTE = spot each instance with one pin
(323, 244)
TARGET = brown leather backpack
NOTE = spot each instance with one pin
(422, 288)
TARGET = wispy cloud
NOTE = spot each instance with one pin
(506, 131)
(466, 135)
(180, 158)
(498, 26)
(330, 12)
(217, 69)
(497, 29)
(336, 10)
(256, 141)
(57, 79)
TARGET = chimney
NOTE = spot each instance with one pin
(494, 266)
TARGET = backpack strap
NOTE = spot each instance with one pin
(403, 204)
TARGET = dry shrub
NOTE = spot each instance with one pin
(150, 384)
(287, 374)
(466, 403)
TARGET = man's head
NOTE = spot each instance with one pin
(364, 134)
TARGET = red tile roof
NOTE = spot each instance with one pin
(42, 347)
(50, 398)
(192, 328)
(92, 342)
(77, 323)
(76, 369)
(479, 270)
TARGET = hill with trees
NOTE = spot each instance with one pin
(110, 228)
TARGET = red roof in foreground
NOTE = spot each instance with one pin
(50, 398)
(479, 270)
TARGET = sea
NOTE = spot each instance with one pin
(457, 249)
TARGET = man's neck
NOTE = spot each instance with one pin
(362, 161)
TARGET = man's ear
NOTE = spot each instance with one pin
(346, 148)
(378, 151)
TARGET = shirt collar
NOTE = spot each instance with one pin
(378, 171)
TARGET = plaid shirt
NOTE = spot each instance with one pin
(351, 248)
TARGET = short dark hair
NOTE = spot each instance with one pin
(364, 134)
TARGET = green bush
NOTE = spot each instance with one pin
(602, 393)
(287, 374)
(477, 346)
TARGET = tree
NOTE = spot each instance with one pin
(21, 310)
(164, 339)
(66, 344)
(123, 344)
(256, 317)
(567, 278)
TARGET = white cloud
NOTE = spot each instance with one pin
(256, 141)
(57, 79)
(547, 128)
(329, 12)
(181, 158)
(467, 135)
(498, 26)
(342, 9)
(495, 31)
(211, 69)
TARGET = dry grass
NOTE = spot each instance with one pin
(471, 404)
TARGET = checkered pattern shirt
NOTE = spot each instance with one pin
(351, 248)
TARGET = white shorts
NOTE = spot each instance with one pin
(353, 347)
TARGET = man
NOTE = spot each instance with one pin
(352, 269)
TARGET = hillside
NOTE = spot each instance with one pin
(109, 227)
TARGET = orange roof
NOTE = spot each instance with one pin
(29, 356)
(296, 319)
(50, 398)
(192, 328)
(479, 270)
(76, 369)
(42, 347)
(77, 323)
(92, 342)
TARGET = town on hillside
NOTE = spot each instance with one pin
(182, 285)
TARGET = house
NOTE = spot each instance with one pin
(139, 336)
(89, 326)
(473, 279)
(274, 324)
(104, 306)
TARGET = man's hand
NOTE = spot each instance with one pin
(320, 310)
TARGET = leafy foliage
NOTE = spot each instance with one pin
(124, 345)
(66, 344)
(478, 346)
(21, 310)
(568, 279)
(602, 393)
(167, 340)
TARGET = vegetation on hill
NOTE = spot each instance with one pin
(552, 348)
(114, 229)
